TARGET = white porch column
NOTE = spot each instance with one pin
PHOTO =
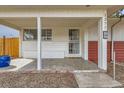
(85, 45)
(39, 56)
(20, 42)
(102, 43)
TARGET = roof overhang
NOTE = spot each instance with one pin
(110, 8)
(18, 23)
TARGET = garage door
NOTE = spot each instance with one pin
(93, 51)
(119, 49)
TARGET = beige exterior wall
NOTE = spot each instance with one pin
(93, 32)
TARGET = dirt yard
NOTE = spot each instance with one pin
(34, 79)
(119, 72)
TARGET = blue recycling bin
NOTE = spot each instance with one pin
(5, 61)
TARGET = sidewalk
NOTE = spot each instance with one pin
(95, 80)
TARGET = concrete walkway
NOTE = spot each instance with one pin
(95, 80)
(16, 64)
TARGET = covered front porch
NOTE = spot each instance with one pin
(62, 49)
(66, 37)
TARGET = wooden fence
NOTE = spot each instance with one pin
(9, 46)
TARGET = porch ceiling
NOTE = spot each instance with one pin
(48, 22)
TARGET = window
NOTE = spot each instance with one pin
(31, 34)
(47, 34)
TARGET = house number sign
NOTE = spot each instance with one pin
(105, 34)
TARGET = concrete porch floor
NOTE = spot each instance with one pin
(63, 64)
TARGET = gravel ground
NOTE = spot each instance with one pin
(35, 79)
(119, 72)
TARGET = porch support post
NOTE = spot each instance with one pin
(39, 56)
(102, 43)
(86, 45)
(20, 42)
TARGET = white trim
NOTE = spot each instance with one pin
(112, 50)
(102, 44)
(81, 42)
(86, 44)
(39, 59)
(43, 27)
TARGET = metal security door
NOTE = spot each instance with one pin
(74, 48)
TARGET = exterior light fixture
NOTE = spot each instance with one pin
(87, 5)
